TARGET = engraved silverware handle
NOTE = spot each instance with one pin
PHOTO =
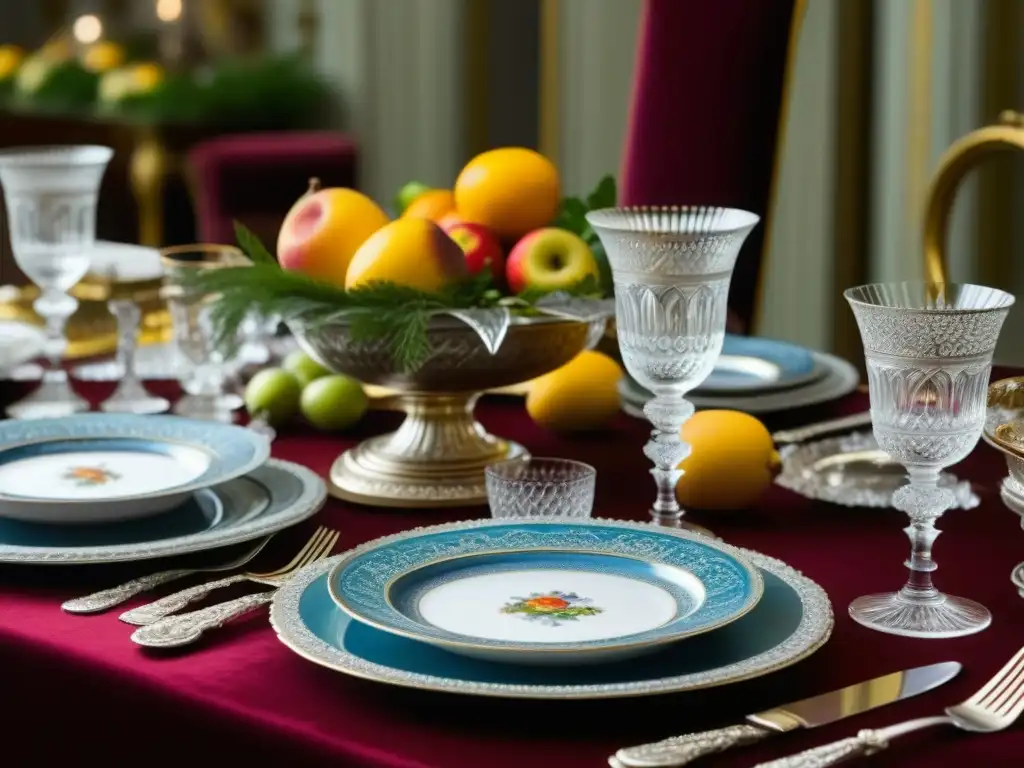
(865, 743)
(175, 631)
(681, 750)
(109, 598)
(800, 434)
(165, 606)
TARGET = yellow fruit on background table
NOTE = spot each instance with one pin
(145, 76)
(324, 229)
(581, 395)
(408, 251)
(433, 204)
(103, 56)
(732, 461)
(11, 57)
(511, 191)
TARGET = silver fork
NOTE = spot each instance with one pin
(185, 628)
(322, 540)
(111, 598)
(993, 708)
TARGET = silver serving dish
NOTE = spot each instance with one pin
(852, 471)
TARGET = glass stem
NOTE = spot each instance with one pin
(924, 502)
(55, 308)
(667, 414)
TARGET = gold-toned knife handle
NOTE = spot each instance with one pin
(681, 750)
(865, 743)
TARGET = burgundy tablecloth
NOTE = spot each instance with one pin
(75, 688)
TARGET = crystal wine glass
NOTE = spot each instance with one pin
(672, 267)
(50, 194)
(131, 395)
(206, 379)
(929, 353)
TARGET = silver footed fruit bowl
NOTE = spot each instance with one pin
(437, 456)
(1004, 426)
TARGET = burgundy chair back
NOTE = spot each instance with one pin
(256, 177)
(708, 106)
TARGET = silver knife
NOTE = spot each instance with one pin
(819, 428)
(807, 713)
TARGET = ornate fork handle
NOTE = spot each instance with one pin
(865, 743)
(165, 606)
(681, 750)
(186, 628)
(109, 598)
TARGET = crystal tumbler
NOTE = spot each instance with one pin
(51, 194)
(540, 488)
(929, 353)
(672, 267)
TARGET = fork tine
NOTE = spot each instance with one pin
(325, 548)
(1008, 693)
(312, 542)
(996, 685)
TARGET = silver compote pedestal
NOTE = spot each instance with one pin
(929, 353)
(672, 267)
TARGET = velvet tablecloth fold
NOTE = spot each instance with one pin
(75, 688)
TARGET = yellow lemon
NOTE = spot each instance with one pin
(581, 395)
(11, 57)
(732, 461)
(33, 73)
(103, 56)
(146, 76)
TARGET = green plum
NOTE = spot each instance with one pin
(274, 395)
(333, 402)
(303, 367)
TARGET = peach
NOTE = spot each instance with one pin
(323, 231)
(409, 251)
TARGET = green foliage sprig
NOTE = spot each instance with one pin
(396, 314)
(573, 217)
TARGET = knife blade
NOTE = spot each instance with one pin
(806, 713)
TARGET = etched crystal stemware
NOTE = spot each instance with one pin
(50, 194)
(929, 353)
(672, 267)
(131, 395)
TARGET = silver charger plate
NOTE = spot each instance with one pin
(852, 471)
(269, 499)
(799, 624)
(840, 379)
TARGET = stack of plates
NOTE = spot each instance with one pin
(109, 487)
(551, 609)
(761, 376)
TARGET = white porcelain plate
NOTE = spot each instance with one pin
(546, 592)
(100, 468)
(273, 497)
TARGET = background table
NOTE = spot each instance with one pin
(76, 689)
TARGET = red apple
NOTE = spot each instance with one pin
(479, 245)
(550, 259)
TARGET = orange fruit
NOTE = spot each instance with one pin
(433, 204)
(511, 191)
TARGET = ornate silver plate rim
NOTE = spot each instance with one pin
(840, 379)
(812, 633)
(272, 520)
(798, 474)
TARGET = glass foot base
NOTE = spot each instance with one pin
(681, 524)
(944, 617)
(216, 408)
(50, 400)
(141, 406)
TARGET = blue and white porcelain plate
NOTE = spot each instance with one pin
(546, 592)
(100, 468)
(749, 364)
(269, 499)
(792, 620)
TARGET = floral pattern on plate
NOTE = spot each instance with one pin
(551, 608)
(90, 476)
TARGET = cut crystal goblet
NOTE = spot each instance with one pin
(50, 194)
(929, 353)
(672, 267)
